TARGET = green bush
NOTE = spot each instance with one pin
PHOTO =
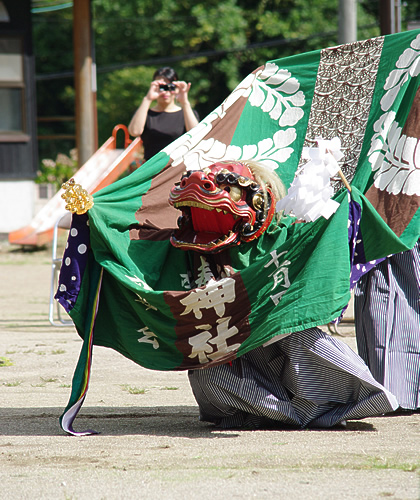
(57, 171)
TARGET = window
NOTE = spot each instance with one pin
(12, 86)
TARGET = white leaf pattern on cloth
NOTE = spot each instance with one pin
(395, 157)
(275, 92)
(278, 94)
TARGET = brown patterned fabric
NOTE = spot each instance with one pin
(398, 210)
(342, 98)
(222, 305)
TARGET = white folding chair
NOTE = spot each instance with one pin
(63, 222)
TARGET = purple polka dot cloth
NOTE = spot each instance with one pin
(359, 266)
(74, 262)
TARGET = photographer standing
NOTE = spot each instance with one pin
(167, 120)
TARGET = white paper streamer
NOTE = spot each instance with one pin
(309, 196)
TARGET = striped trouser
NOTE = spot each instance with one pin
(387, 317)
(308, 379)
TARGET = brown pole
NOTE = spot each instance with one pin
(86, 137)
(390, 16)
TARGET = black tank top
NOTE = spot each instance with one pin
(161, 129)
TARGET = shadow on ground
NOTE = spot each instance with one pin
(176, 421)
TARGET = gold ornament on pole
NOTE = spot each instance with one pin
(78, 200)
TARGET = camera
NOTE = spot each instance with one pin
(170, 86)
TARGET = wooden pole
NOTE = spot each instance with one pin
(390, 16)
(343, 178)
(86, 136)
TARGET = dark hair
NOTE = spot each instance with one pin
(166, 72)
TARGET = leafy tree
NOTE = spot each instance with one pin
(213, 44)
(121, 91)
(53, 48)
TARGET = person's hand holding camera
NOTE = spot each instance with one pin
(154, 90)
(182, 92)
(171, 96)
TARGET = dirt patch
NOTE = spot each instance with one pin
(151, 443)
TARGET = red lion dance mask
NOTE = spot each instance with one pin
(222, 205)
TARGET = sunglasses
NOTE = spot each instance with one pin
(164, 88)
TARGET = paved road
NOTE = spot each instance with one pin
(151, 444)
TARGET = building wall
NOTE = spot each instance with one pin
(15, 198)
(18, 145)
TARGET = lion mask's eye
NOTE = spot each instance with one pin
(235, 192)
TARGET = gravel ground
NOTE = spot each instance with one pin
(151, 444)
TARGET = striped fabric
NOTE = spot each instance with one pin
(387, 315)
(308, 379)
